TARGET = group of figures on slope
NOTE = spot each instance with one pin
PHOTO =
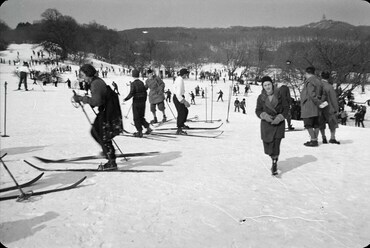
(319, 106)
(108, 122)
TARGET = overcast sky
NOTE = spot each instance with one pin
(127, 14)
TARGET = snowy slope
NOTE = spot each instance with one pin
(211, 193)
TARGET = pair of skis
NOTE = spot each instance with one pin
(26, 195)
(82, 158)
(162, 131)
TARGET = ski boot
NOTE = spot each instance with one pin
(164, 119)
(110, 165)
(149, 130)
(311, 143)
(180, 131)
(138, 134)
(186, 127)
(274, 167)
(290, 128)
(154, 121)
(334, 141)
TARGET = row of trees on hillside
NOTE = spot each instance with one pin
(346, 54)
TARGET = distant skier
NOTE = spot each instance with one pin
(220, 94)
(237, 105)
(68, 82)
(23, 70)
(168, 95)
(192, 96)
(242, 105)
(115, 88)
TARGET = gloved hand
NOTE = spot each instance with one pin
(279, 118)
(77, 98)
(266, 117)
(186, 103)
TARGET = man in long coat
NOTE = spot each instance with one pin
(310, 101)
(156, 95)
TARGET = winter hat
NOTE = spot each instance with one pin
(150, 71)
(310, 70)
(325, 75)
(184, 71)
(265, 79)
(135, 73)
(88, 69)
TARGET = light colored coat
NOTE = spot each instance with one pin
(156, 86)
(330, 97)
(311, 97)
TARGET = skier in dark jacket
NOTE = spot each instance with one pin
(220, 94)
(102, 130)
(237, 105)
(139, 95)
(115, 87)
(243, 105)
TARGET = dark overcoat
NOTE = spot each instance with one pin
(277, 106)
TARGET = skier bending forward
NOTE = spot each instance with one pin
(108, 122)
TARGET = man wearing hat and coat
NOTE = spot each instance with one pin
(310, 101)
(139, 95)
(156, 95)
(180, 103)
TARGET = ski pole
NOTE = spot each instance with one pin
(126, 116)
(93, 128)
(119, 149)
(228, 107)
(23, 195)
(205, 92)
(5, 87)
(211, 103)
(171, 110)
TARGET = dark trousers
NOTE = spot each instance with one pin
(99, 135)
(22, 79)
(243, 109)
(138, 110)
(182, 112)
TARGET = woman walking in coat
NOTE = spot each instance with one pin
(272, 109)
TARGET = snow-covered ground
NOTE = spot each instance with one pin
(211, 193)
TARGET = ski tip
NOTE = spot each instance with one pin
(41, 159)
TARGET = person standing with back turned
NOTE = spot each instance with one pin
(310, 101)
(156, 95)
(139, 95)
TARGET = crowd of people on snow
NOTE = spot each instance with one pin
(108, 122)
(318, 105)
